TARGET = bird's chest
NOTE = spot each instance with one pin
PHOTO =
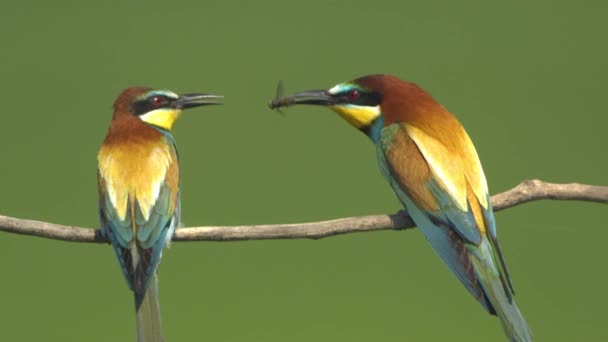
(387, 135)
(134, 172)
(386, 145)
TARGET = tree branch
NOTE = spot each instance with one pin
(527, 191)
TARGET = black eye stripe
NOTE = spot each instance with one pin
(369, 99)
(148, 104)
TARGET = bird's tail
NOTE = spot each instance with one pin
(500, 296)
(148, 315)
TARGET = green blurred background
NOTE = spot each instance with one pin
(527, 79)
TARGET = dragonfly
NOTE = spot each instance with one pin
(279, 99)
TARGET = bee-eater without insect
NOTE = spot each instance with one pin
(138, 178)
(431, 164)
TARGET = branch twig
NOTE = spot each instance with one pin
(527, 191)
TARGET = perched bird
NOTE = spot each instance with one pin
(138, 178)
(432, 166)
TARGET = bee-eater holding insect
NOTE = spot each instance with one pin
(432, 166)
(138, 178)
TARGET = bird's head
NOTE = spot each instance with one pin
(159, 108)
(368, 103)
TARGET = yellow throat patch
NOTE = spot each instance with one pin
(357, 116)
(163, 117)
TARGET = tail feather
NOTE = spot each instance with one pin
(498, 294)
(149, 327)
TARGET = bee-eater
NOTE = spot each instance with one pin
(138, 178)
(431, 164)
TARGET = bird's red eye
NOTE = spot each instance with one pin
(158, 100)
(353, 95)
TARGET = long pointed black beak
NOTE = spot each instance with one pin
(195, 100)
(311, 97)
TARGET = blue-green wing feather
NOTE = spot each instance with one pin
(117, 231)
(463, 222)
(152, 236)
(147, 246)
